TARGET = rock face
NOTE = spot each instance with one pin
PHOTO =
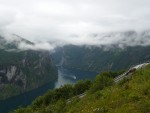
(129, 49)
(105, 58)
(22, 71)
(98, 59)
(11, 74)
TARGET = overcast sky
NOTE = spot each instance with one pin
(68, 19)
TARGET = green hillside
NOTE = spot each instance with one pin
(100, 59)
(131, 95)
(23, 70)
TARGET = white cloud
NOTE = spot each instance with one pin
(37, 46)
(61, 20)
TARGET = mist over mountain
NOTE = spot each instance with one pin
(17, 43)
(43, 40)
(101, 40)
(23, 69)
(100, 58)
(70, 20)
(118, 39)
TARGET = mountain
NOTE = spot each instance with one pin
(103, 95)
(23, 70)
(98, 59)
(125, 50)
(12, 42)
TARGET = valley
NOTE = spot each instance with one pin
(74, 56)
(25, 75)
(23, 70)
(102, 95)
(98, 59)
(64, 77)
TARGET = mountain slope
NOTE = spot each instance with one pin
(12, 42)
(99, 59)
(112, 51)
(131, 95)
(21, 71)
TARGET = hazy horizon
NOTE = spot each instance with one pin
(83, 22)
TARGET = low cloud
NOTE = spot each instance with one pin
(109, 40)
(19, 43)
(119, 39)
(84, 22)
(36, 46)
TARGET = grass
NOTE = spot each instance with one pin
(129, 96)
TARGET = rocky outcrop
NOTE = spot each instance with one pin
(11, 74)
(24, 70)
(29, 70)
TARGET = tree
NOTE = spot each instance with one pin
(81, 86)
(101, 81)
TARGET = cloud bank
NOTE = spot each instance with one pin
(76, 22)
(12, 42)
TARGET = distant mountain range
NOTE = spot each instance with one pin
(23, 70)
(12, 42)
(131, 49)
(128, 92)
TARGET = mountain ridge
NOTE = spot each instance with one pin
(98, 59)
(23, 70)
(102, 95)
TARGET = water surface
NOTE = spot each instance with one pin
(65, 76)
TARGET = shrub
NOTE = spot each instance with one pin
(81, 86)
(101, 81)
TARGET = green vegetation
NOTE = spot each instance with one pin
(101, 59)
(22, 71)
(131, 95)
(9, 90)
(7, 58)
(56, 99)
(33, 69)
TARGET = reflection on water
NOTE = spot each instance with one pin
(65, 76)
(71, 76)
(62, 79)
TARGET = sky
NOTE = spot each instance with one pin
(72, 20)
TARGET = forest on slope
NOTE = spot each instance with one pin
(100, 58)
(131, 95)
(23, 70)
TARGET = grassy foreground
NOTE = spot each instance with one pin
(131, 95)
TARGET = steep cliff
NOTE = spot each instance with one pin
(99, 59)
(21, 71)
(128, 95)
(129, 49)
